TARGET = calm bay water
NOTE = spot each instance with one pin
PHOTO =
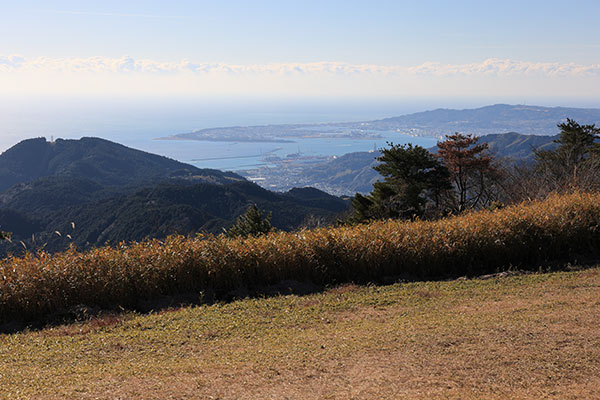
(136, 122)
(243, 155)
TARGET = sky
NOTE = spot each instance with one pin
(305, 49)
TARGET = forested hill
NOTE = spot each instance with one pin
(91, 191)
(98, 160)
(516, 146)
(44, 214)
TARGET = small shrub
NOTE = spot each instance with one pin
(252, 223)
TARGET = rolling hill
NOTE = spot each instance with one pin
(101, 161)
(113, 193)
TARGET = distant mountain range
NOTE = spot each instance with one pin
(498, 118)
(112, 193)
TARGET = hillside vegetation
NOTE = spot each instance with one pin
(92, 191)
(519, 337)
(101, 161)
(153, 211)
(523, 236)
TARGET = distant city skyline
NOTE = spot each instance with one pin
(376, 49)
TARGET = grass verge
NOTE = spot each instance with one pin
(530, 336)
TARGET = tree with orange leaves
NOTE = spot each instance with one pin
(471, 170)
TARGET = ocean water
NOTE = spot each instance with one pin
(137, 122)
(243, 155)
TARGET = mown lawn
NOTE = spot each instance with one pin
(528, 336)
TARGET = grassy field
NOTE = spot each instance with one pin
(528, 336)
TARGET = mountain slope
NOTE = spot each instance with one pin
(157, 211)
(516, 146)
(101, 161)
(349, 173)
(112, 193)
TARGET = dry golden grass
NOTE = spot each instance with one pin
(526, 235)
(529, 337)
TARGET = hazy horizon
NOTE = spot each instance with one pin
(134, 70)
(129, 120)
(267, 48)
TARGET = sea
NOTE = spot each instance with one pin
(138, 122)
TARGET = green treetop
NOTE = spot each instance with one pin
(413, 180)
(577, 154)
(252, 223)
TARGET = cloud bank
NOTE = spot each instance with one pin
(489, 67)
(20, 75)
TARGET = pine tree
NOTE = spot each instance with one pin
(252, 223)
(413, 182)
(575, 160)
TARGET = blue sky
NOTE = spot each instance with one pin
(337, 48)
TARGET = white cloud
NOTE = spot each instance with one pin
(11, 62)
(506, 67)
(20, 75)
(489, 67)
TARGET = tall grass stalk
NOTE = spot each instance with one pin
(526, 235)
